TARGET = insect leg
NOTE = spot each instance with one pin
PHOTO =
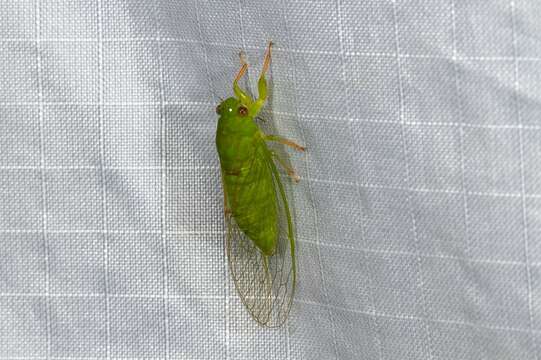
(290, 171)
(262, 83)
(241, 95)
(287, 142)
(242, 58)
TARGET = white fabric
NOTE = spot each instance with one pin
(418, 213)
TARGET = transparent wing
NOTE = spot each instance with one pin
(265, 284)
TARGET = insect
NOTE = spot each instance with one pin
(260, 240)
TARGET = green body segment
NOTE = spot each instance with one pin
(248, 179)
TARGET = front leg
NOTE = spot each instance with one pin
(262, 83)
(287, 142)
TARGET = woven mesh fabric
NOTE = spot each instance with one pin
(418, 212)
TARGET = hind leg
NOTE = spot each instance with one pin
(290, 171)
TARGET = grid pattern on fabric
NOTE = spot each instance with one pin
(419, 209)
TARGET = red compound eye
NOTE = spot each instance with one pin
(243, 111)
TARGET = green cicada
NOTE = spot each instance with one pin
(260, 240)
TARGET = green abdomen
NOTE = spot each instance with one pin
(252, 199)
